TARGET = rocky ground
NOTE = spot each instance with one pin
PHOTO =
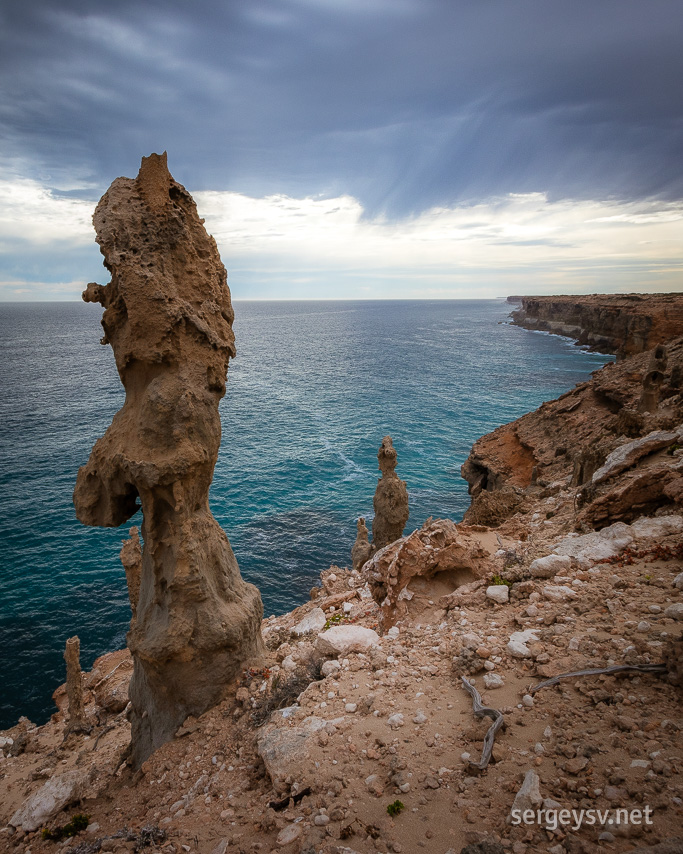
(368, 720)
(355, 733)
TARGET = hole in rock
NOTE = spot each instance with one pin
(441, 583)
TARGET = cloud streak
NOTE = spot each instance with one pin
(283, 247)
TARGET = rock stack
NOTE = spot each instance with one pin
(390, 501)
(168, 318)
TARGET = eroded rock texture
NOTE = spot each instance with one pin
(74, 684)
(437, 550)
(623, 463)
(611, 323)
(168, 317)
(390, 501)
(361, 549)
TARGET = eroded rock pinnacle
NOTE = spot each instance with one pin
(168, 318)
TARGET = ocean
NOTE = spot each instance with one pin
(314, 388)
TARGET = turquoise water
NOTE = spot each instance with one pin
(314, 388)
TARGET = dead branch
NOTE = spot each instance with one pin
(617, 668)
(481, 711)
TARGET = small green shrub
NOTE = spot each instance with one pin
(498, 579)
(78, 822)
(395, 808)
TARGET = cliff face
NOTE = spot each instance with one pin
(168, 318)
(610, 323)
(566, 441)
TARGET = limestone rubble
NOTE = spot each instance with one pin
(168, 318)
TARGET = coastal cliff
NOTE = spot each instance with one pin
(610, 323)
(355, 733)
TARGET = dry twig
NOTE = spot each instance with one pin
(481, 711)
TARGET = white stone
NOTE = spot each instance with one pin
(640, 763)
(279, 747)
(493, 680)
(314, 621)
(598, 545)
(529, 795)
(6, 741)
(288, 834)
(643, 626)
(393, 632)
(340, 640)
(528, 701)
(678, 581)
(550, 565)
(517, 645)
(562, 593)
(499, 593)
(395, 720)
(647, 528)
(321, 820)
(52, 797)
(288, 663)
(329, 668)
(347, 607)
(675, 611)
(350, 708)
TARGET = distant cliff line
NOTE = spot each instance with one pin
(622, 324)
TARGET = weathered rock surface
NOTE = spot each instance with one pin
(50, 799)
(390, 501)
(74, 684)
(529, 795)
(283, 747)
(314, 621)
(361, 549)
(168, 318)
(439, 548)
(612, 323)
(341, 640)
(584, 440)
(627, 455)
(131, 558)
(550, 565)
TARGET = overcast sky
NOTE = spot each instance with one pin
(354, 148)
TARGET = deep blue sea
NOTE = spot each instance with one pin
(314, 388)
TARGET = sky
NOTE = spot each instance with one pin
(354, 149)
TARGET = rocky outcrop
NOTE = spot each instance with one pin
(439, 549)
(592, 438)
(74, 684)
(390, 501)
(361, 549)
(168, 318)
(611, 323)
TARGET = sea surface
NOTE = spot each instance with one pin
(314, 388)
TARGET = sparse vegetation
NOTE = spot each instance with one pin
(498, 580)
(395, 808)
(78, 822)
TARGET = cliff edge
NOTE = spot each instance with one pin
(610, 323)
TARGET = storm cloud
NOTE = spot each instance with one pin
(401, 105)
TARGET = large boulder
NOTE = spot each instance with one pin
(50, 799)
